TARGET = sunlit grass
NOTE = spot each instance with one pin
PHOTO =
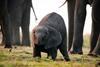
(22, 57)
(86, 43)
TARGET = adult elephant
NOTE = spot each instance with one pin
(6, 22)
(13, 19)
(76, 15)
(95, 34)
(20, 17)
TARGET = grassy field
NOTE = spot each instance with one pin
(22, 57)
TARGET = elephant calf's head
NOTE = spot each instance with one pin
(40, 35)
(46, 36)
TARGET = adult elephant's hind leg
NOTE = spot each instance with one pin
(25, 27)
(94, 37)
(95, 34)
(96, 51)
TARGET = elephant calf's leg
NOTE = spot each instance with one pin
(36, 52)
(63, 50)
(53, 53)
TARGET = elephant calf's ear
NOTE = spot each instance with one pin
(33, 33)
(34, 38)
(54, 38)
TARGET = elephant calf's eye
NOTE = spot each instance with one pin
(33, 31)
(44, 37)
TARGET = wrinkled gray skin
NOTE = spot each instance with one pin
(50, 35)
(20, 17)
(76, 16)
(5, 22)
(15, 14)
(95, 34)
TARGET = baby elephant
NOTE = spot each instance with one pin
(50, 35)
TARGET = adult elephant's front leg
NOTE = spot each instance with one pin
(6, 23)
(16, 16)
(8, 31)
(71, 8)
(80, 14)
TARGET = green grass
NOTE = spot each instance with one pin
(22, 57)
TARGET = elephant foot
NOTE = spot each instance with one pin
(73, 52)
(67, 59)
(92, 55)
(8, 46)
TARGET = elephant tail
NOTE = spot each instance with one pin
(33, 11)
(63, 4)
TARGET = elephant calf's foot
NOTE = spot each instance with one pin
(8, 46)
(67, 59)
